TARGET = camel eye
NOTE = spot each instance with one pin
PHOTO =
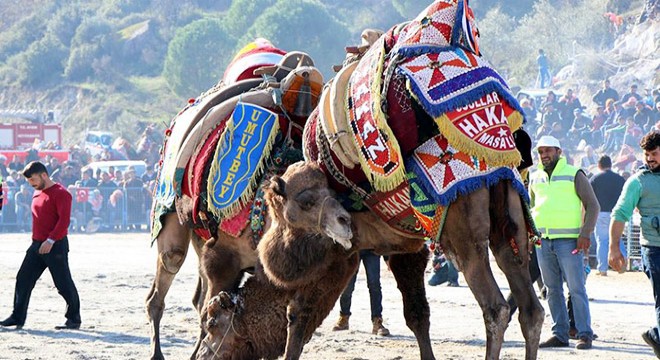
(306, 200)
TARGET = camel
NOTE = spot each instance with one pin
(495, 209)
(306, 259)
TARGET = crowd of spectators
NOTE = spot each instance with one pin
(112, 200)
(613, 127)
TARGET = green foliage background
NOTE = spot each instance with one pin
(119, 64)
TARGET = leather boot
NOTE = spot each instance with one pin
(379, 329)
(342, 323)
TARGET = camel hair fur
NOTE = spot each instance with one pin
(300, 274)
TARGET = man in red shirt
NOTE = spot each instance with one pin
(51, 212)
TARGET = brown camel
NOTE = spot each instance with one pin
(306, 260)
(494, 214)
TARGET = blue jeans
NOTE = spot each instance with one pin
(651, 265)
(371, 263)
(558, 263)
(602, 237)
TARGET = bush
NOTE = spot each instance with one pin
(197, 56)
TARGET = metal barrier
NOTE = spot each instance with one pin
(93, 209)
(634, 249)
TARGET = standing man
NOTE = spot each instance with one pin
(558, 193)
(51, 212)
(642, 191)
(371, 262)
(545, 79)
(607, 186)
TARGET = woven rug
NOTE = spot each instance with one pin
(444, 173)
(239, 158)
(379, 153)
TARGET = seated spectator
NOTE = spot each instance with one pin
(16, 164)
(580, 128)
(23, 205)
(625, 158)
(614, 136)
(633, 134)
(149, 174)
(589, 158)
(119, 178)
(632, 93)
(444, 270)
(558, 131)
(68, 176)
(567, 105)
(544, 129)
(605, 93)
(87, 181)
(643, 116)
(628, 107)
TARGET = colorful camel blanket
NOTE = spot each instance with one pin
(240, 157)
(441, 173)
(379, 153)
(470, 103)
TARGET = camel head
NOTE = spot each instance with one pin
(302, 201)
(220, 315)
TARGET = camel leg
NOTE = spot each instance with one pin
(408, 270)
(172, 245)
(515, 267)
(202, 284)
(468, 241)
(199, 298)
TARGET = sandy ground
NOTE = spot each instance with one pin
(113, 273)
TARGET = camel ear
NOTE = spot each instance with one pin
(278, 186)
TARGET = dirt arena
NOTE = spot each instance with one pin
(113, 273)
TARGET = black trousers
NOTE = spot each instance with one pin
(34, 264)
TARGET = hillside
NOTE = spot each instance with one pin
(121, 64)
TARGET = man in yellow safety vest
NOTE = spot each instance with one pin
(558, 192)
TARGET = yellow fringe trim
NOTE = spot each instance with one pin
(398, 176)
(234, 208)
(467, 145)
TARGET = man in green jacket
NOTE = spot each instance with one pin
(642, 191)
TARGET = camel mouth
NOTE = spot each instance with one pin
(344, 240)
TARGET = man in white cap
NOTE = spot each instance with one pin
(558, 193)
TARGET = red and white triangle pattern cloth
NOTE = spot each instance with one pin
(433, 26)
(431, 69)
(444, 166)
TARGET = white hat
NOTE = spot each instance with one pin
(547, 141)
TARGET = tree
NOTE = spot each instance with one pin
(303, 25)
(93, 40)
(651, 11)
(41, 63)
(20, 36)
(197, 56)
(243, 13)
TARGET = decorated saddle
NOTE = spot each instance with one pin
(426, 117)
(218, 151)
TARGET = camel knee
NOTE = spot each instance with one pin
(155, 305)
(497, 318)
(172, 260)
